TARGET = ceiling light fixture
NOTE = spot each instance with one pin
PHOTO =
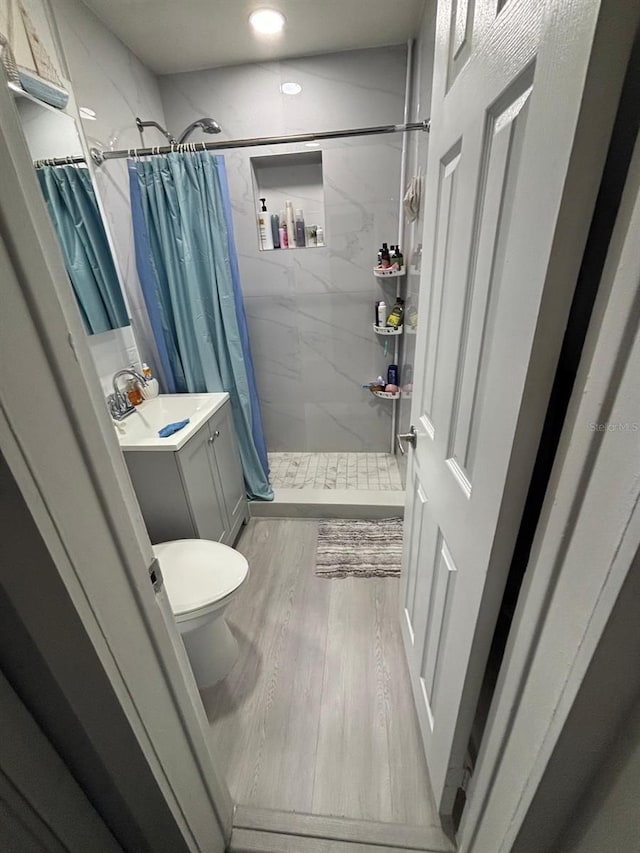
(267, 21)
(87, 112)
(290, 88)
(312, 144)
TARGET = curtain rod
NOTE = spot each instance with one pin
(99, 156)
(59, 161)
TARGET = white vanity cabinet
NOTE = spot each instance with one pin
(197, 491)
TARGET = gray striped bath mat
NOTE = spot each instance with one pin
(362, 549)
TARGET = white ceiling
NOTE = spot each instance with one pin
(185, 35)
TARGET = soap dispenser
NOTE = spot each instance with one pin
(264, 227)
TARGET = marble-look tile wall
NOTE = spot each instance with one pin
(109, 79)
(310, 311)
(413, 234)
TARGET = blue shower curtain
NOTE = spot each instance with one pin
(73, 209)
(186, 260)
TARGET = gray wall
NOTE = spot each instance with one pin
(27, 565)
(416, 162)
(310, 312)
(608, 817)
(109, 79)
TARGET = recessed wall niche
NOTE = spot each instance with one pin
(297, 178)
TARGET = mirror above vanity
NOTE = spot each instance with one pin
(72, 203)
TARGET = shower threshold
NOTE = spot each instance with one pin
(333, 485)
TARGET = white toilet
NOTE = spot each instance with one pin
(201, 578)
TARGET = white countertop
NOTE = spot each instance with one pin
(141, 427)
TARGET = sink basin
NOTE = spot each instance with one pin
(140, 429)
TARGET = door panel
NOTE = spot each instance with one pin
(500, 263)
(498, 168)
(229, 467)
(461, 36)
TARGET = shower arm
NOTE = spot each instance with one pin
(142, 124)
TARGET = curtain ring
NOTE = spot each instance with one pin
(204, 145)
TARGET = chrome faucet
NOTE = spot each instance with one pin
(119, 405)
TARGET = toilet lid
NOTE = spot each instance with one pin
(198, 572)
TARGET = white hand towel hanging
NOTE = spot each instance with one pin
(412, 198)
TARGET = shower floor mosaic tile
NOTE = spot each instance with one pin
(372, 471)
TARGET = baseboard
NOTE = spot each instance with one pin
(258, 830)
(330, 503)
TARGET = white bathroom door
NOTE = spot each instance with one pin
(518, 137)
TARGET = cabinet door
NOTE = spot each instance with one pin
(201, 484)
(228, 462)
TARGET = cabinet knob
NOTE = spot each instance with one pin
(211, 439)
(216, 433)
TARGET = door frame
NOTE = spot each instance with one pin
(60, 447)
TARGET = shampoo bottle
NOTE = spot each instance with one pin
(300, 229)
(291, 228)
(397, 257)
(397, 313)
(264, 227)
(275, 230)
(282, 231)
(312, 235)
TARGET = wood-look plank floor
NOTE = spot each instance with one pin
(317, 715)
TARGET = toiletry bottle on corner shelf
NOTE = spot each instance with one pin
(264, 227)
(397, 257)
(385, 257)
(319, 236)
(392, 375)
(381, 314)
(397, 313)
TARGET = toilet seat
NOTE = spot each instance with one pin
(199, 573)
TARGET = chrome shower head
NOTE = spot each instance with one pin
(207, 125)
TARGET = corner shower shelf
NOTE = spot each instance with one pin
(386, 395)
(387, 330)
(387, 273)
